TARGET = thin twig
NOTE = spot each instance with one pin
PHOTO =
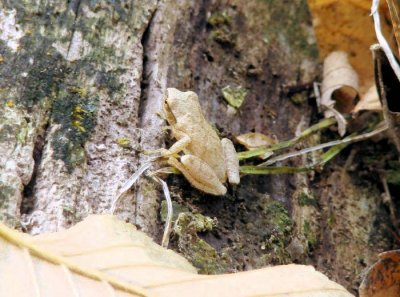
(325, 145)
(387, 200)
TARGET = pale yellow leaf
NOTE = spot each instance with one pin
(369, 101)
(103, 256)
(254, 140)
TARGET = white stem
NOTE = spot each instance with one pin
(325, 145)
(381, 39)
(168, 220)
(129, 183)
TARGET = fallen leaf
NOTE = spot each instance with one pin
(103, 256)
(383, 278)
(254, 140)
(339, 84)
(346, 26)
(369, 101)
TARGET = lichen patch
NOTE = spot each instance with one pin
(10, 31)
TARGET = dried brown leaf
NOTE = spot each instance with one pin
(383, 278)
(103, 256)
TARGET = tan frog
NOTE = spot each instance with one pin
(207, 161)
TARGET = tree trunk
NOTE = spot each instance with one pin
(81, 90)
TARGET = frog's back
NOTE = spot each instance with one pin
(190, 120)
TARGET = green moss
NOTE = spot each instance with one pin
(6, 193)
(219, 18)
(201, 254)
(305, 199)
(331, 221)
(187, 221)
(235, 96)
(393, 173)
(309, 234)
(77, 117)
(279, 217)
(176, 209)
(224, 36)
(290, 30)
(299, 98)
(221, 29)
(278, 232)
(123, 142)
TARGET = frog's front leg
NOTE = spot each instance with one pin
(199, 174)
(231, 161)
(178, 146)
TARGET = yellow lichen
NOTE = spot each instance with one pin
(10, 103)
(123, 142)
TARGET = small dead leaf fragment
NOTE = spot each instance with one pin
(369, 101)
(383, 278)
(234, 95)
(339, 84)
(254, 140)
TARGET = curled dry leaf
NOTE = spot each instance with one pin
(103, 256)
(383, 278)
(253, 140)
(339, 86)
(369, 101)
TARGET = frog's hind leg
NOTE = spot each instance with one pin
(199, 174)
(231, 161)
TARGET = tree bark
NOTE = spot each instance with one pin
(81, 88)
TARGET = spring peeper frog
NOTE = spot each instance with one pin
(207, 161)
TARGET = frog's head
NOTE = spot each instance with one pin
(178, 104)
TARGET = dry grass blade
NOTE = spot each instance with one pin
(168, 220)
(130, 182)
(382, 127)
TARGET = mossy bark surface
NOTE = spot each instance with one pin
(81, 89)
